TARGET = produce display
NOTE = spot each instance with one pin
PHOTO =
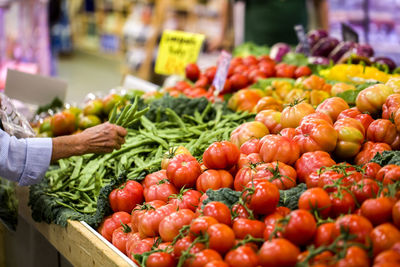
(298, 166)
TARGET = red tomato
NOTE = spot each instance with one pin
(316, 199)
(354, 113)
(312, 161)
(278, 253)
(131, 238)
(294, 113)
(248, 160)
(126, 197)
(221, 237)
(192, 72)
(221, 155)
(219, 211)
(273, 223)
(183, 170)
(267, 68)
(371, 169)
(188, 199)
(243, 227)
(112, 222)
(216, 263)
(120, 236)
(243, 177)
(318, 115)
(169, 226)
(238, 81)
(160, 259)
(365, 189)
(202, 82)
(388, 174)
(214, 179)
(285, 71)
(300, 228)
(200, 259)
(278, 173)
(250, 60)
(391, 106)
(139, 247)
(396, 214)
(63, 123)
(271, 119)
(248, 131)
(288, 132)
(315, 134)
(242, 256)
(210, 73)
(388, 258)
(250, 146)
(182, 86)
(154, 178)
(355, 256)
(276, 147)
(200, 224)
(383, 237)
(302, 71)
(183, 244)
(160, 191)
(342, 203)
(138, 212)
(368, 151)
(324, 234)
(354, 224)
(382, 130)
(149, 222)
(332, 107)
(264, 198)
(377, 210)
(239, 211)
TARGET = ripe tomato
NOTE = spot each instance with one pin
(324, 234)
(377, 210)
(264, 198)
(332, 107)
(160, 259)
(302, 71)
(192, 72)
(171, 153)
(120, 236)
(126, 197)
(112, 222)
(169, 226)
(243, 227)
(138, 212)
(149, 222)
(139, 247)
(268, 103)
(248, 160)
(221, 155)
(354, 224)
(63, 123)
(250, 146)
(293, 114)
(371, 169)
(355, 256)
(238, 81)
(383, 237)
(310, 162)
(365, 189)
(243, 177)
(396, 214)
(315, 134)
(392, 104)
(210, 73)
(388, 174)
(183, 170)
(318, 115)
(248, 131)
(239, 211)
(216, 263)
(388, 258)
(201, 258)
(316, 199)
(183, 244)
(273, 223)
(342, 203)
(300, 228)
(221, 237)
(354, 113)
(276, 147)
(200, 225)
(350, 137)
(288, 132)
(160, 191)
(382, 130)
(187, 199)
(214, 179)
(278, 173)
(219, 211)
(368, 151)
(277, 253)
(286, 71)
(372, 98)
(202, 82)
(154, 178)
(242, 256)
(270, 118)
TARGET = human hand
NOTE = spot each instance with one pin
(103, 138)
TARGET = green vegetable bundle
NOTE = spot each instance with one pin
(78, 187)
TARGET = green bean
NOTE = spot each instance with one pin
(123, 114)
(172, 114)
(113, 113)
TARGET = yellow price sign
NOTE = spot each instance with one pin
(176, 50)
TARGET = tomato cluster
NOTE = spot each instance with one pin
(348, 216)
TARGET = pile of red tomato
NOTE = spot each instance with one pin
(348, 216)
(242, 73)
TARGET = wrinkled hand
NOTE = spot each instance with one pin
(103, 138)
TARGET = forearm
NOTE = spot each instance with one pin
(67, 146)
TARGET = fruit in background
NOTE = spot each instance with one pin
(350, 137)
(315, 82)
(381, 130)
(268, 102)
(245, 99)
(93, 107)
(338, 88)
(394, 83)
(284, 70)
(270, 118)
(109, 102)
(88, 121)
(302, 71)
(192, 72)
(238, 81)
(210, 73)
(294, 113)
(45, 126)
(333, 107)
(63, 123)
(75, 110)
(391, 106)
(247, 131)
(368, 151)
(371, 99)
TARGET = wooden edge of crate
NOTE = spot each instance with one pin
(75, 242)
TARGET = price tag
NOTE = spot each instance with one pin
(348, 34)
(224, 61)
(301, 35)
(176, 50)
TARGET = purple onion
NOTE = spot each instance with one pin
(364, 50)
(384, 61)
(315, 35)
(324, 46)
(318, 60)
(340, 50)
(278, 50)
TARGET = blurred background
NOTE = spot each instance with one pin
(93, 44)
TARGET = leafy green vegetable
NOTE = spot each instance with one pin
(289, 198)
(387, 157)
(55, 104)
(224, 195)
(250, 48)
(351, 95)
(296, 59)
(9, 204)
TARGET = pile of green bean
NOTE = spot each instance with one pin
(77, 181)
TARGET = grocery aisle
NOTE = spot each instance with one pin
(88, 73)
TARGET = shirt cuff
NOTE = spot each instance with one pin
(38, 156)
